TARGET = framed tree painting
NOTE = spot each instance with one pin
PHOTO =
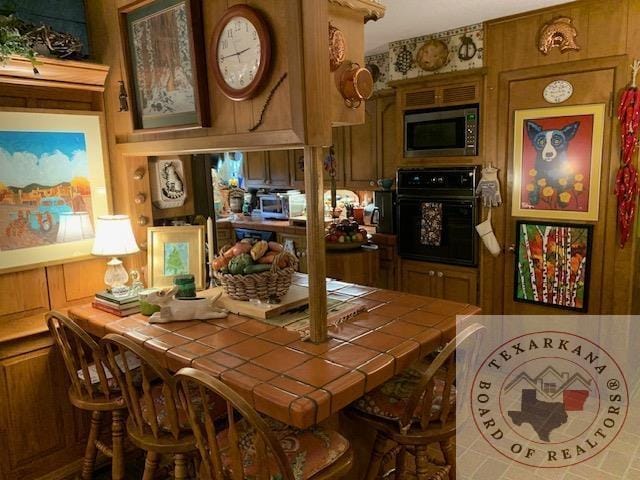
(557, 156)
(552, 264)
(53, 186)
(175, 251)
(165, 66)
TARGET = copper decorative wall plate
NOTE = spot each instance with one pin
(432, 55)
(337, 48)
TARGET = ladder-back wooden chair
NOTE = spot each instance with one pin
(417, 408)
(92, 389)
(156, 423)
(254, 447)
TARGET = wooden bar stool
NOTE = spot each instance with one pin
(417, 408)
(156, 423)
(92, 389)
(255, 447)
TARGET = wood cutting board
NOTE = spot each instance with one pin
(296, 297)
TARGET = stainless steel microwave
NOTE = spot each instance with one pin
(441, 132)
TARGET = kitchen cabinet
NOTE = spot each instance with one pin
(360, 166)
(297, 162)
(428, 95)
(355, 266)
(39, 429)
(267, 169)
(387, 277)
(438, 280)
(370, 150)
(298, 245)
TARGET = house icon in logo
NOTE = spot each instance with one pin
(549, 384)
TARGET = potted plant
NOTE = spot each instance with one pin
(12, 42)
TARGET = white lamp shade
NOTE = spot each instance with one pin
(114, 236)
(74, 226)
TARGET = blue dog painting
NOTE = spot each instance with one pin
(556, 163)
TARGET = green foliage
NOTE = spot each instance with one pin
(14, 43)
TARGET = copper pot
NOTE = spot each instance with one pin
(356, 85)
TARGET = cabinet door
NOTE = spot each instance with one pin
(388, 136)
(418, 278)
(255, 169)
(278, 163)
(457, 285)
(361, 166)
(37, 429)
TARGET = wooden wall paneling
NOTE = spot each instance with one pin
(317, 81)
(75, 282)
(23, 293)
(350, 23)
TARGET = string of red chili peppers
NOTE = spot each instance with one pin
(627, 179)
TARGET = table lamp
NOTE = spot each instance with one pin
(114, 238)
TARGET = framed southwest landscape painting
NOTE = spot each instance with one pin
(557, 158)
(165, 63)
(175, 251)
(552, 264)
(52, 186)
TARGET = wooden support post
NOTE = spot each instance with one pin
(313, 166)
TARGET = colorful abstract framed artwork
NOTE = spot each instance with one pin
(175, 251)
(53, 186)
(557, 156)
(552, 264)
(164, 50)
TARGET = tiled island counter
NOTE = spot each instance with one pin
(295, 381)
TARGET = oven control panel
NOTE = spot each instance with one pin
(454, 180)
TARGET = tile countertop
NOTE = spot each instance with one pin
(298, 382)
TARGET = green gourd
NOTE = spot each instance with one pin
(238, 264)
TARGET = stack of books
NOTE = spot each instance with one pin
(121, 306)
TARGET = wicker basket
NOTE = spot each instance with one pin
(272, 284)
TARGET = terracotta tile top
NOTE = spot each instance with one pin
(296, 381)
(317, 372)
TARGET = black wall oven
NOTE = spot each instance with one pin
(437, 214)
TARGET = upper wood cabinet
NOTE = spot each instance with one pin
(267, 169)
(371, 149)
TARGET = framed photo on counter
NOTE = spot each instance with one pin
(557, 157)
(165, 64)
(175, 251)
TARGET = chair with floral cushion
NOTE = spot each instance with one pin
(417, 408)
(157, 422)
(92, 389)
(254, 447)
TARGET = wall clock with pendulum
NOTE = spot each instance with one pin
(241, 46)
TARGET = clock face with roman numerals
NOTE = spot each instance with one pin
(242, 49)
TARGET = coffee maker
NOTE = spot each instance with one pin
(385, 201)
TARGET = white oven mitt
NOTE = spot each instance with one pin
(485, 230)
(489, 187)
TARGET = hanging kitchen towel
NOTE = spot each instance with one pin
(431, 224)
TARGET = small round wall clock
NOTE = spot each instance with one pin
(432, 55)
(558, 91)
(241, 46)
